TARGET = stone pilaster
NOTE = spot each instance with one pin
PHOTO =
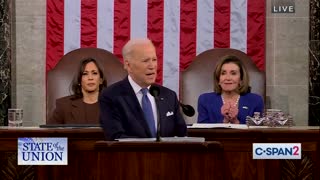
(314, 63)
(5, 59)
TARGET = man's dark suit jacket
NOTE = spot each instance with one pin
(121, 115)
(74, 111)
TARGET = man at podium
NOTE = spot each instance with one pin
(129, 110)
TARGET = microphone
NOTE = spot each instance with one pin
(155, 91)
(188, 110)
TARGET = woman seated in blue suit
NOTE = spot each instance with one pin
(82, 107)
(231, 101)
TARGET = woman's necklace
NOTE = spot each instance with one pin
(235, 104)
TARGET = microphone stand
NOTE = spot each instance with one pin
(155, 91)
(187, 109)
(158, 122)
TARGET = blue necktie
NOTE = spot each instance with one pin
(148, 113)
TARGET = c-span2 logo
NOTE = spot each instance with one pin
(276, 150)
(42, 151)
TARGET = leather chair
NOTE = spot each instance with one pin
(60, 78)
(198, 77)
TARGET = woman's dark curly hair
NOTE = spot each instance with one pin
(76, 83)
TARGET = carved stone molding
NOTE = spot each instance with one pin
(297, 169)
(10, 169)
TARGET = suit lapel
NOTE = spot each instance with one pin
(162, 113)
(133, 104)
(163, 110)
(77, 111)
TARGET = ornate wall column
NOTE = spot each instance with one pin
(314, 64)
(5, 58)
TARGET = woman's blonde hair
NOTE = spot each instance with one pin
(244, 76)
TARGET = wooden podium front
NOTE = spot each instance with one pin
(141, 161)
(159, 160)
(91, 158)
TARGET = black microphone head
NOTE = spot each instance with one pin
(188, 110)
(154, 91)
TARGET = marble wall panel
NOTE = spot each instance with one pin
(5, 59)
(314, 63)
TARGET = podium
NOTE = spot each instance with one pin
(142, 161)
(91, 158)
(159, 160)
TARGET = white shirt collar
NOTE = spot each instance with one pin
(136, 88)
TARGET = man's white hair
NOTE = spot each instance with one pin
(128, 47)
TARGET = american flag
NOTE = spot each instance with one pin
(180, 29)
